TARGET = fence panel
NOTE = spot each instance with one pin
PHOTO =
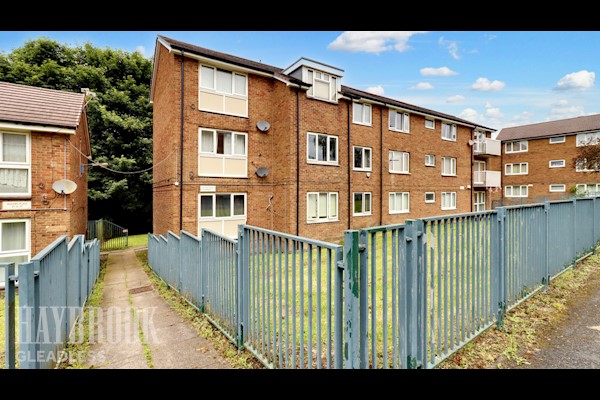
(584, 225)
(110, 235)
(190, 263)
(561, 241)
(293, 298)
(173, 261)
(74, 301)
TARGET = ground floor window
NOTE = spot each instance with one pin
(222, 212)
(399, 202)
(15, 240)
(479, 201)
(362, 203)
(321, 206)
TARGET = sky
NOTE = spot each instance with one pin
(497, 79)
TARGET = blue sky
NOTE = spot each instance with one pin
(497, 79)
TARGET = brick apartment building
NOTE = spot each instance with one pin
(296, 151)
(43, 134)
(538, 159)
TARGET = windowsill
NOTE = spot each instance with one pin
(398, 130)
(223, 176)
(557, 142)
(515, 152)
(223, 113)
(361, 123)
(556, 191)
(26, 196)
(431, 166)
(505, 174)
(320, 99)
(325, 164)
(448, 209)
(362, 170)
(214, 91)
(562, 166)
(227, 156)
(362, 215)
(430, 202)
(399, 173)
(321, 222)
(208, 219)
(399, 212)
(449, 140)
(450, 175)
(517, 197)
(433, 129)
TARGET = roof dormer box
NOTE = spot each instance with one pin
(324, 79)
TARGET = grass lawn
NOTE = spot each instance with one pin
(119, 243)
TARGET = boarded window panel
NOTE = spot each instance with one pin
(207, 142)
(322, 205)
(240, 84)
(223, 205)
(14, 148)
(406, 123)
(322, 147)
(333, 205)
(309, 79)
(392, 119)
(238, 205)
(312, 147)
(224, 81)
(367, 114)
(206, 206)
(208, 77)
(333, 89)
(332, 149)
(312, 206)
(321, 89)
(357, 112)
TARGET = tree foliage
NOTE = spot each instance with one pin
(120, 118)
(588, 156)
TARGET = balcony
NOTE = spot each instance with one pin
(486, 179)
(486, 147)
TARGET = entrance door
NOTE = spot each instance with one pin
(479, 201)
(479, 172)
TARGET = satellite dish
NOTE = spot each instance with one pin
(262, 172)
(471, 142)
(263, 126)
(64, 186)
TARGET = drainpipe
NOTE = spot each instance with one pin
(350, 196)
(381, 166)
(181, 148)
(298, 162)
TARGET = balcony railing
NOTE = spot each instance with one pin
(486, 179)
(486, 147)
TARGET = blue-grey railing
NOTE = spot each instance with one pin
(110, 235)
(397, 296)
(53, 287)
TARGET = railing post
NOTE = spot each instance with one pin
(501, 220)
(546, 279)
(574, 232)
(240, 298)
(363, 249)
(414, 272)
(339, 309)
(351, 300)
(9, 313)
(28, 316)
(203, 263)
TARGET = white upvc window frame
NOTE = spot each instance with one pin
(364, 151)
(453, 162)
(214, 217)
(364, 211)
(431, 200)
(444, 197)
(553, 139)
(202, 87)
(330, 216)
(563, 188)
(405, 201)
(432, 127)
(479, 205)
(452, 131)
(20, 252)
(404, 121)
(313, 75)
(511, 194)
(329, 139)
(556, 166)
(366, 110)
(430, 157)
(588, 188)
(26, 165)
(213, 153)
(513, 143)
(511, 167)
(404, 162)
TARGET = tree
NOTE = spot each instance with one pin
(588, 154)
(120, 118)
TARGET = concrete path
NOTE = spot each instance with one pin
(575, 341)
(130, 304)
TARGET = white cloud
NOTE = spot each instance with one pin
(141, 49)
(422, 86)
(378, 90)
(452, 47)
(373, 41)
(441, 71)
(563, 109)
(581, 80)
(523, 117)
(485, 85)
(492, 113)
(560, 103)
(455, 99)
(470, 114)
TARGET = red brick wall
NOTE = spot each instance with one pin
(78, 201)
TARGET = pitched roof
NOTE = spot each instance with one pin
(551, 128)
(243, 62)
(33, 105)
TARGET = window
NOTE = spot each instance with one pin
(516, 169)
(429, 197)
(321, 207)
(429, 123)
(448, 131)
(557, 188)
(592, 189)
(15, 165)
(581, 166)
(223, 153)
(362, 158)
(557, 139)
(324, 86)
(14, 240)
(585, 139)
(322, 149)
(361, 113)
(222, 205)
(448, 200)
(448, 166)
(362, 204)
(429, 160)
(479, 203)
(556, 163)
(516, 191)
(516, 147)
(223, 91)
(399, 202)
(399, 122)
(399, 162)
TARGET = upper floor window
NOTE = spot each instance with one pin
(516, 169)
(361, 113)
(222, 91)
(15, 165)
(399, 162)
(516, 191)
(222, 205)
(322, 149)
(448, 131)
(429, 160)
(324, 86)
(448, 166)
(362, 158)
(429, 123)
(557, 139)
(448, 200)
(399, 121)
(520, 146)
(556, 163)
(223, 153)
(586, 139)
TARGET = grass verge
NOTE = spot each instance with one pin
(525, 326)
(243, 359)
(77, 351)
